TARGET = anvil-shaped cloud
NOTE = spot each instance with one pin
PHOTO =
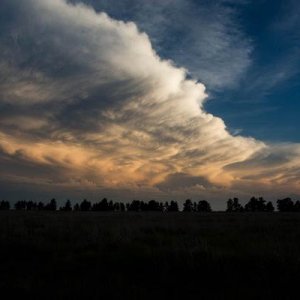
(87, 103)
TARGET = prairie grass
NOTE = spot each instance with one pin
(56, 255)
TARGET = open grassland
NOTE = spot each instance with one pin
(76, 255)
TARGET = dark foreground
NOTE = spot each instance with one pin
(149, 256)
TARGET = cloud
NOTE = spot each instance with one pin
(178, 181)
(203, 36)
(86, 102)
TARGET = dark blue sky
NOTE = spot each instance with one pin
(266, 103)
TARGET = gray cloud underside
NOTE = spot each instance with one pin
(86, 102)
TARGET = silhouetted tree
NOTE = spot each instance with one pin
(262, 206)
(188, 206)
(229, 205)
(103, 205)
(40, 206)
(203, 206)
(173, 206)
(269, 207)
(110, 206)
(144, 206)
(96, 206)
(234, 205)
(116, 206)
(20, 205)
(30, 205)
(135, 205)
(237, 207)
(255, 205)
(285, 205)
(4, 205)
(67, 206)
(85, 205)
(153, 206)
(122, 207)
(51, 206)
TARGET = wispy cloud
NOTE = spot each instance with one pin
(203, 36)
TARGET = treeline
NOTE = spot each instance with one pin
(254, 205)
(233, 205)
(261, 205)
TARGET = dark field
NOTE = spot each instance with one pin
(56, 255)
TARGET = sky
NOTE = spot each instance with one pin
(168, 99)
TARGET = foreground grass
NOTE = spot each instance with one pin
(146, 256)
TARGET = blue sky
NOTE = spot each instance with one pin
(266, 102)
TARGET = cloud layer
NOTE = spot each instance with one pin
(203, 36)
(85, 102)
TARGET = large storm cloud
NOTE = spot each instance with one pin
(85, 102)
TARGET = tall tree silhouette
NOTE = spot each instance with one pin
(4, 205)
(237, 207)
(203, 206)
(153, 206)
(269, 207)
(85, 205)
(40, 206)
(110, 206)
(234, 205)
(103, 205)
(173, 206)
(229, 205)
(51, 206)
(255, 205)
(188, 205)
(135, 205)
(116, 206)
(122, 207)
(285, 205)
(67, 206)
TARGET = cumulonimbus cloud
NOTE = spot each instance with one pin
(85, 100)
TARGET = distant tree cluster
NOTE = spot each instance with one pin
(201, 206)
(103, 205)
(134, 206)
(254, 205)
(152, 206)
(287, 205)
(30, 205)
(233, 205)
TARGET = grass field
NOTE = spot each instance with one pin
(80, 255)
